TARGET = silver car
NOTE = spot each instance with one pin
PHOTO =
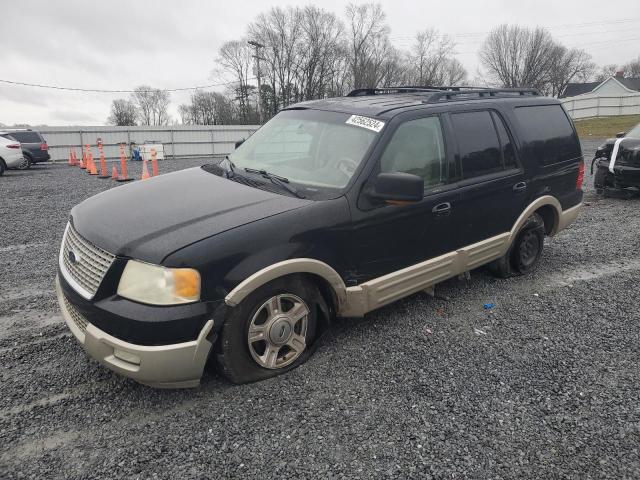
(11, 155)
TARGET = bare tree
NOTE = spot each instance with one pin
(160, 99)
(372, 60)
(123, 113)
(142, 98)
(453, 72)
(632, 69)
(605, 72)
(517, 56)
(186, 114)
(235, 57)
(568, 65)
(430, 61)
(310, 53)
(280, 30)
(322, 46)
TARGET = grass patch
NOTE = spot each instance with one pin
(606, 126)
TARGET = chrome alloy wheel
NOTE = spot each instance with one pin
(24, 164)
(278, 330)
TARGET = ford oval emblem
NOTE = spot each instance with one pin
(73, 257)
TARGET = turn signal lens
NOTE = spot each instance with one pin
(186, 282)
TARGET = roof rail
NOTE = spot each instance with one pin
(444, 93)
(482, 93)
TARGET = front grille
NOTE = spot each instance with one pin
(83, 264)
(76, 316)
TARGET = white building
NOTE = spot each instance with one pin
(614, 96)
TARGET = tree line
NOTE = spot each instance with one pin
(307, 53)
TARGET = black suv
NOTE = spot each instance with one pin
(34, 146)
(334, 207)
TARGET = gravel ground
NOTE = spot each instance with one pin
(544, 385)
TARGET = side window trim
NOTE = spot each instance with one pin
(498, 117)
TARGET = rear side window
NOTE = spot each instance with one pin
(547, 135)
(27, 137)
(478, 144)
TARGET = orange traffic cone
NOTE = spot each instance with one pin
(83, 162)
(154, 162)
(92, 164)
(74, 159)
(70, 159)
(103, 166)
(114, 173)
(123, 166)
(145, 170)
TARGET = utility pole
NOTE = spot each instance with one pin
(257, 47)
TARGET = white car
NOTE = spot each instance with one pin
(10, 154)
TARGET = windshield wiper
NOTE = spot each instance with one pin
(278, 180)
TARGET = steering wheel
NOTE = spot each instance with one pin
(346, 166)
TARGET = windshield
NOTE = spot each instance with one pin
(634, 132)
(311, 148)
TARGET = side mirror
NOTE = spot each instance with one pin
(620, 134)
(239, 142)
(398, 188)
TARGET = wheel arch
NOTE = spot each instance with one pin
(548, 208)
(327, 279)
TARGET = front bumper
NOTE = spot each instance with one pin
(177, 365)
(624, 175)
(13, 161)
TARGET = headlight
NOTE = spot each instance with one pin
(158, 285)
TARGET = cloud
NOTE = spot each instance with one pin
(120, 44)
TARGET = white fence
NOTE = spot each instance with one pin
(586, 106)
(178, 141)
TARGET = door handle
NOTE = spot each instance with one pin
(520, 187)
(442, 209)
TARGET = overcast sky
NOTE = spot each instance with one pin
(116, 44)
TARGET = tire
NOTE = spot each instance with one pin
(3, 167)
(25, 164)
(525, 251)
(244, 359)
(600, 179)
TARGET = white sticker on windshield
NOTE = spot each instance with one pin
(365, 122)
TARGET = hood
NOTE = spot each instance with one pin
(150, 219)
(628, 151)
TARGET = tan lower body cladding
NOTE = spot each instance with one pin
(358, 300)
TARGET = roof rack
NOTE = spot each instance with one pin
(361, 92)
(446, 93)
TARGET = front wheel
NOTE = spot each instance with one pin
(270, 332)
(2, 167)
(525, 251)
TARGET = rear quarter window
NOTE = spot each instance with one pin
(27, 137)
(547, 135)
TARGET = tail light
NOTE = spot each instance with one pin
(44, 147)
(14, 145)
(580, 178)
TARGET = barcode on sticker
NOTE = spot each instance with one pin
(365, 122)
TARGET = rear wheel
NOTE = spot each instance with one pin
(3, 167)
(525, 251)
(25, 164)
(270, 332)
